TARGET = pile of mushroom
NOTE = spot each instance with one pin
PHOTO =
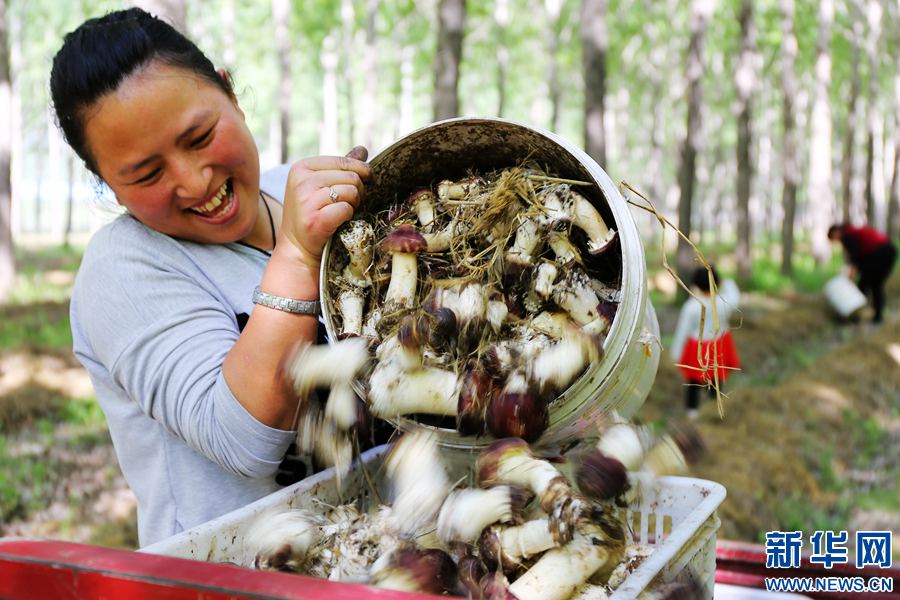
(481, 300)
(515, 526)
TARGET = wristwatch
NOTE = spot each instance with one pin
(290, 305)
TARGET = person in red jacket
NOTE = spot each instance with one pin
(871, 256)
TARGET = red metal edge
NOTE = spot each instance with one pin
(744, 564)
(47, 569)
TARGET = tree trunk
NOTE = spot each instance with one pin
(7, 258)
(348, 26)
(229, 55)
(553, 9)
(367, 113)
(172, 12)
(791, 173)
(40, 159)
(853, 118)
(893, 216)
(451, 19)
(70, 198)
(745, 82)
(701, 11)
(501, 23)
(281, 17)
(874, 186)
(821, 198)
(407, 120)
(328, 140)
(594, 42)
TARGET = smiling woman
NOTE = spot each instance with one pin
(185, 365)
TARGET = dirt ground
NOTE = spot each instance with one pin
(811, 434)
(810, 438)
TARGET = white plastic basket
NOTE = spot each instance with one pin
(676, 516)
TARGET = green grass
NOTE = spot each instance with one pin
(23, 482)
(38, 328)
(44, 275)
(797, 514)
(880, 498)
(82, 411)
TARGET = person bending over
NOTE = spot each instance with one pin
(870, 256)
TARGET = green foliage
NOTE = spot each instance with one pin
(796, 513)
(38, 328)
(82, 411)
(766, 275)
(882, 498)
(867, 436)
(23, 482)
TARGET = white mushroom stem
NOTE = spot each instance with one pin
(350, 304)
(575, 295)
(543, 279)
(359, 238)
(666, 458)
(404, 277)
(518, 542)
(418, 480)
(554, 212)
(457, 190)
(370, 327)
(465, 513)
(525, 243)
(511, 461)
(440, 241)
(560, 571)
(341, 407)
(309, 426)
(586, 217)
(468, 302)
(558, 365)
(590, 591)
(497, 311)
(321, 365)
(565, 252)
(334, 449)
(554, 324)
(621, 441)
(424, 207)
(394, 392)
(280, 540)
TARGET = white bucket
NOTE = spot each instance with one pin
(844, 297)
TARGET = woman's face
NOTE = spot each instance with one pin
(176, 151)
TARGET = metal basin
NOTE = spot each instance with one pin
(448, 150)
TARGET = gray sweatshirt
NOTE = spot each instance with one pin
(152, 320)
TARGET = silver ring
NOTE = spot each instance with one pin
(333, 195)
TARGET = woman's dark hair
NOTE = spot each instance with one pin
(700, 278)
(102, 52)
(837, 228)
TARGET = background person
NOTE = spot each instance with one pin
(183, 354)
(688, 337)
(870, 256)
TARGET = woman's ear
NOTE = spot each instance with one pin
(226, 79)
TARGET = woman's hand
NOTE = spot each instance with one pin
(311, 216)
